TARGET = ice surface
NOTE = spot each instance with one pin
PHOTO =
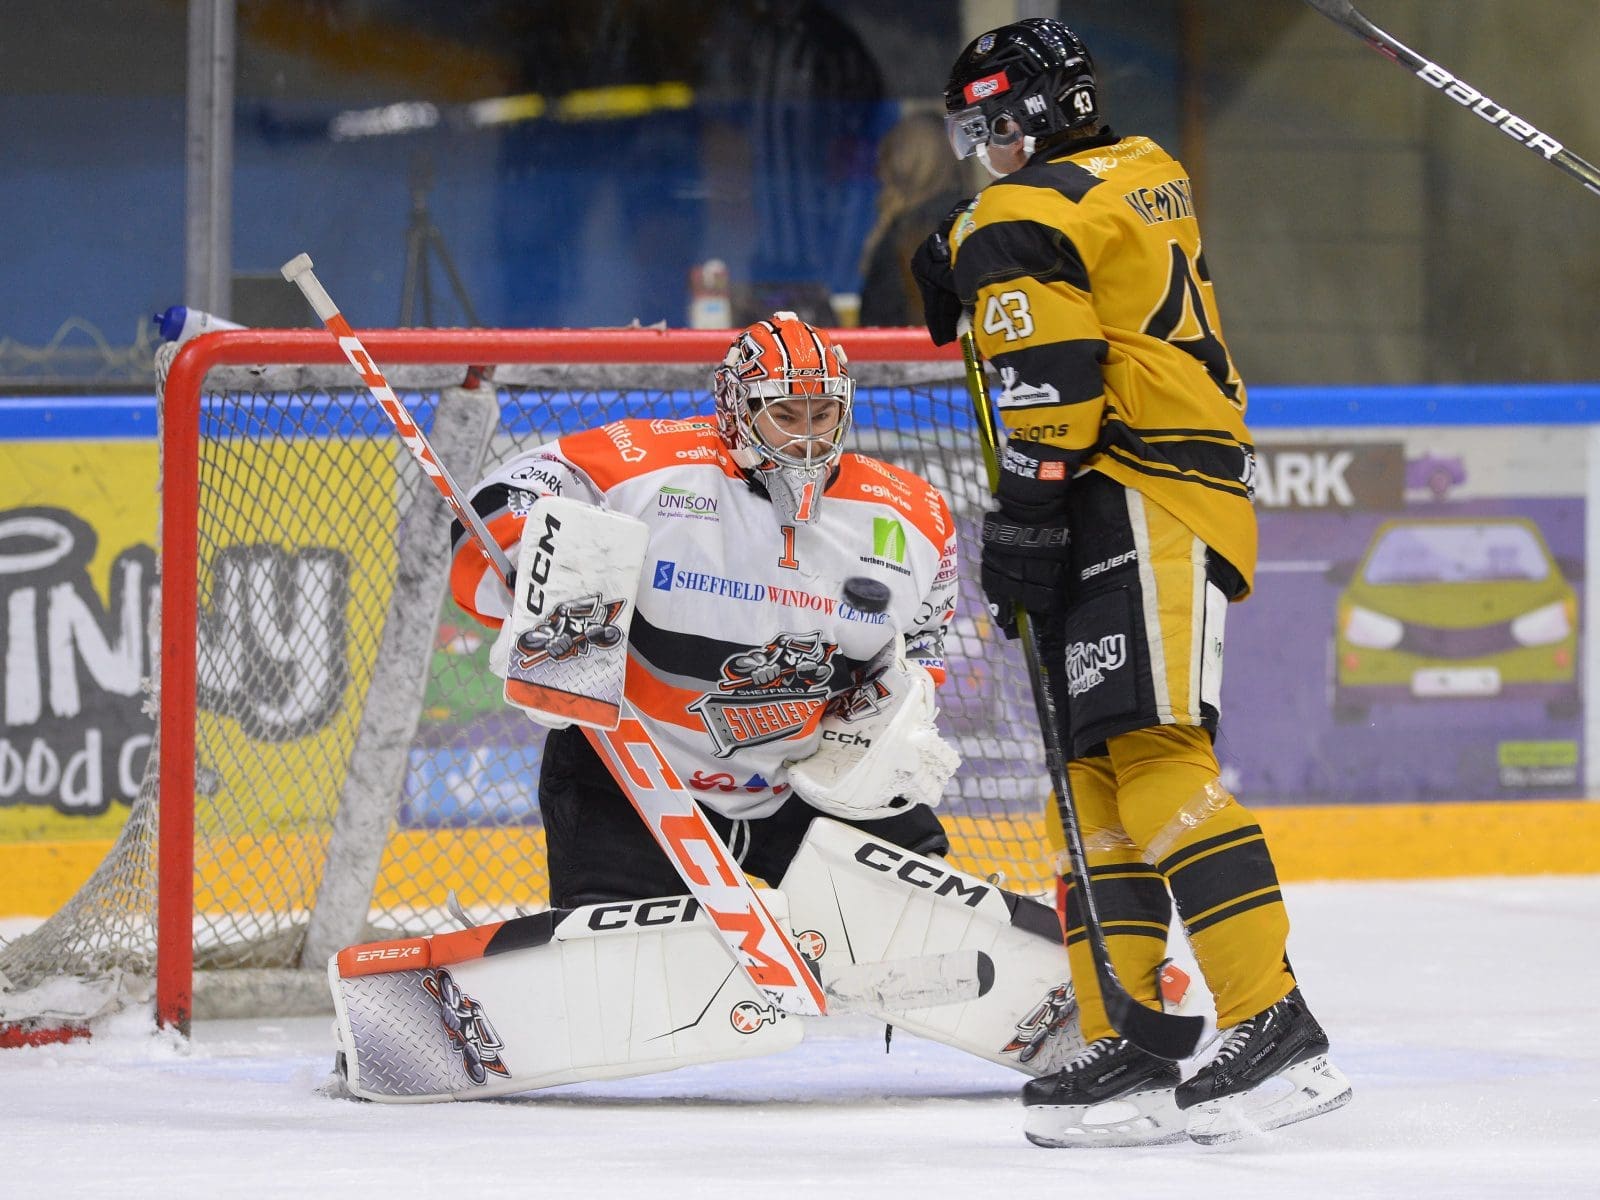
(1464, 1012)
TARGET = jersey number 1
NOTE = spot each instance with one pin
(788, 560)
(804, 514)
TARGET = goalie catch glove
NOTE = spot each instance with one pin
(880, 751)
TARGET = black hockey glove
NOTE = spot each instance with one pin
(936, 280)
(1022, 564)
(1025, 541)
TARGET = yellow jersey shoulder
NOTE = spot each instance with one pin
(1133, 178)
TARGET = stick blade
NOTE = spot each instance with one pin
(1166, 1035)
(922, 981)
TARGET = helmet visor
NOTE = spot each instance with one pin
(967, 130)
(972, 127)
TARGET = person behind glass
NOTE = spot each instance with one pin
(1124, 528)
(918, 183)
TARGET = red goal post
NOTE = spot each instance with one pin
(295, 531)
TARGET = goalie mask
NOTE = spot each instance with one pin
(1025, 81)
(783, 397)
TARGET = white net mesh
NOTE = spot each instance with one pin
(355, 764)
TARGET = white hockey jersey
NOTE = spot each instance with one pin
(740, 638)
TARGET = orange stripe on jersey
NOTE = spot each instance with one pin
(469, 567)
(660, 701)
(862, 478)
(621, 450)
(670, 705)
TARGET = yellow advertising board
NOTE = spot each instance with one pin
(288, 610)
(77, 582)
(281, 591)
(1358, 761)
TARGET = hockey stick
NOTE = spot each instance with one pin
(1164, 1034)
(923, 981)
(298, 272)
(1343, 13)
(752, 936)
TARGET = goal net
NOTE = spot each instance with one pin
(333, 761)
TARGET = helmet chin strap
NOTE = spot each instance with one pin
(983, 155)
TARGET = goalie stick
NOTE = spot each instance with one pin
(298, 272)
(767, 955)
(1345, 14)
(1166, 1035)
(925, 980)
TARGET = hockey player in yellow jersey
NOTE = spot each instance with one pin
(1124, 528)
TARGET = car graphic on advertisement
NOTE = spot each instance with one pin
(1455, 609)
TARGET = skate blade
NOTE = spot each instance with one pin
(1305, 1090)
(1148, 1118)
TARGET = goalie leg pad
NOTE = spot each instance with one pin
(859, 906)
(603, 991)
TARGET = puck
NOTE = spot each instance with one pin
(866, 595)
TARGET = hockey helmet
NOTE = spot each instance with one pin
(1030, 79)
(772, 395)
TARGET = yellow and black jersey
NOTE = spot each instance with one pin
(1090, 296)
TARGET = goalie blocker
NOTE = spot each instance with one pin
(610, 990)
(563, 650)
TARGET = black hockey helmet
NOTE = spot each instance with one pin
(1036, 72)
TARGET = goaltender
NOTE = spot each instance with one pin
(799, 716)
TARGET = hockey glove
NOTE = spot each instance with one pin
(1022, 564)
(936, 280)
(881, 752)
(1025, 542)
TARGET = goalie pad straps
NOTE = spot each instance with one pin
(565, 643)
(856, 900)
(603, 991)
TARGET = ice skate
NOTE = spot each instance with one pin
(1272, 1070)
(1111, 1094)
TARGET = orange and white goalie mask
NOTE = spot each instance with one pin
(783, 398)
